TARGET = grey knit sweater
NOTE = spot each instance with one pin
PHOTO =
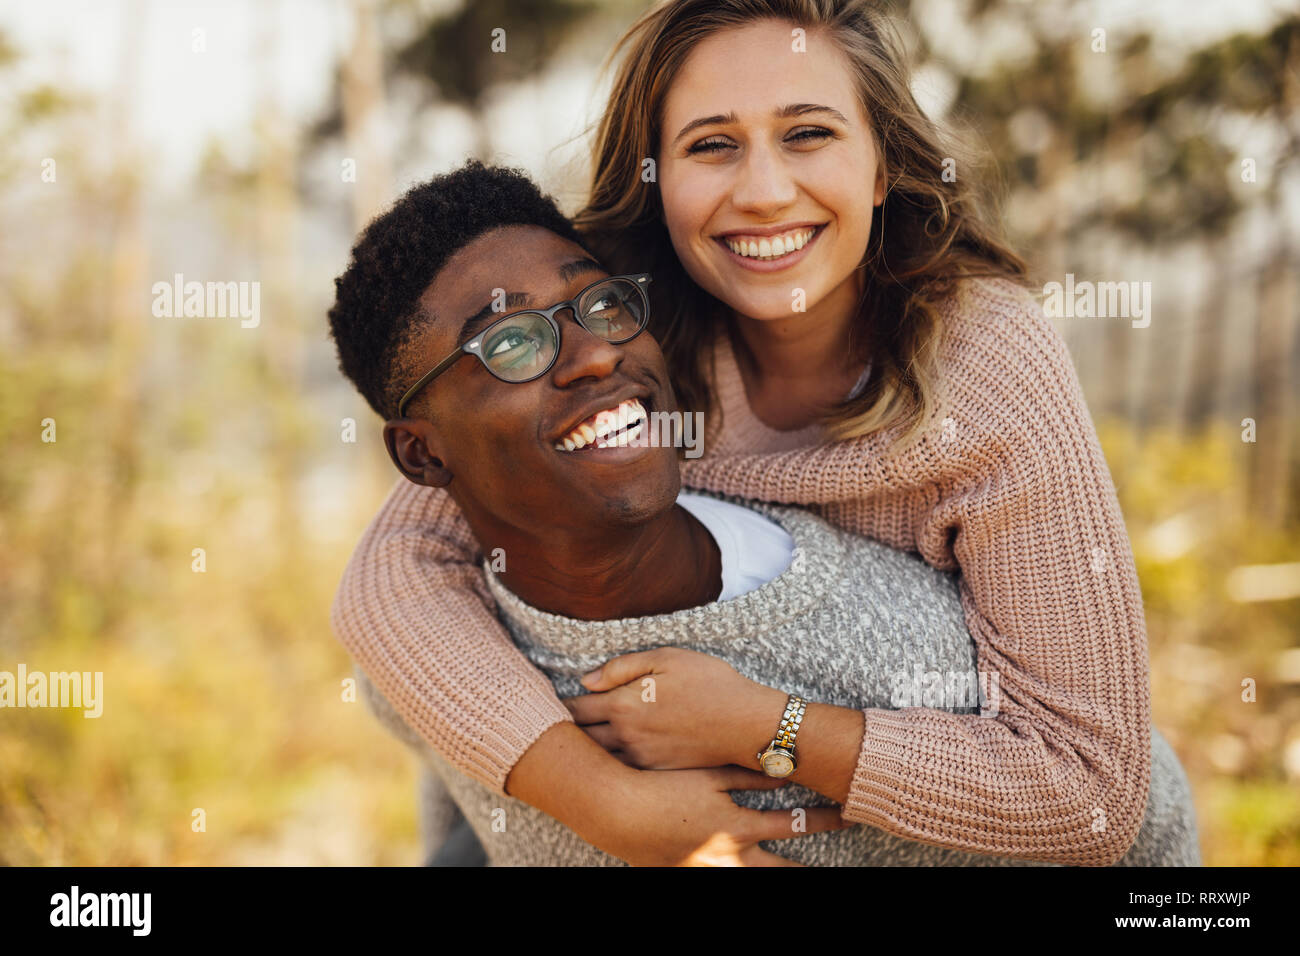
(852, 622)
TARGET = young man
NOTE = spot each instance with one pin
(532, 421)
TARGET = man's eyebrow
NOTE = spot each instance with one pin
(785, 112)
(571, 270)
(471, 325)
(522, 300)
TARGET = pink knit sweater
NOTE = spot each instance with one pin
(1009, 485)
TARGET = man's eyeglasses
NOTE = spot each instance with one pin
(522, 346)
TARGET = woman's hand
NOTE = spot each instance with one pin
(672, 708)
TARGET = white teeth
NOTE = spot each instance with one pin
(622, 439)
(771, 247)
(606, 422)
(601, 431)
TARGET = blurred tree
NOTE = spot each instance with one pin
(457, 57)
(361, 88)
(1158, 165)
(128, 269)
(275, 190)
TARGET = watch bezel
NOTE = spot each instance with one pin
(794, 763)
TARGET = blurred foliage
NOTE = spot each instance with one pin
(1187, 505)
(1185, 156)
(222, 690)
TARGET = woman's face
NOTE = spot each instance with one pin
(759, 142)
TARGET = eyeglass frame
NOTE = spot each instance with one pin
(474, 345)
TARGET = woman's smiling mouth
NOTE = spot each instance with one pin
(769, 253)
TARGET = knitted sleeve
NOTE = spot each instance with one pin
(415, 613)
(1011, 487)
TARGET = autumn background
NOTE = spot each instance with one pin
(143, 139)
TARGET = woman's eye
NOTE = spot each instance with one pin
(710, 146)
(812, 134)
(809, 134)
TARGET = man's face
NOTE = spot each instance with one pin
(499, 439)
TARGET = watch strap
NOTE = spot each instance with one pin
(788, 729)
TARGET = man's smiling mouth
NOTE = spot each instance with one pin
(614, 427)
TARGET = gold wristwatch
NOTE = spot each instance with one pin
(778, 759)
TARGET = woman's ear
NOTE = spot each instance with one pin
(410, 444)
(880, 184)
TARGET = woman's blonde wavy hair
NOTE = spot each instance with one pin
(929, 234)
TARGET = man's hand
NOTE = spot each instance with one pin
(655, 818)
(687, 818)
(671, 709)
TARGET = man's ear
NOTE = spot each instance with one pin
(410, 443)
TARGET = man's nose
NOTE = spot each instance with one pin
(582, 354)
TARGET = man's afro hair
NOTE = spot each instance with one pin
(376, 303)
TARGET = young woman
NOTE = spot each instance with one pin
(828, 293)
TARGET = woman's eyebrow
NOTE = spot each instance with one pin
(799, 109)
(784, 112)
(715, 120)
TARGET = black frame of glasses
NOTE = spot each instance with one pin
(475, 345)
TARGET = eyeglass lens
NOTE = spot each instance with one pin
(523, 345)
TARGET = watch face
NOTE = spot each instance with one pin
(778, 765)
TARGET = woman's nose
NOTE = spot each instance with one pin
(764, 183)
